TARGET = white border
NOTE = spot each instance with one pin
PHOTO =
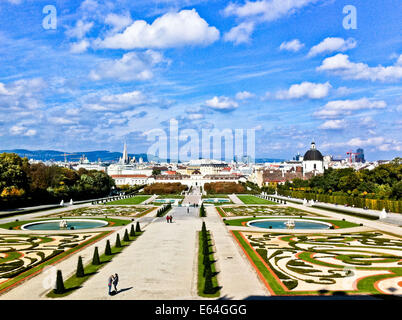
(23, 227)
(284, 219)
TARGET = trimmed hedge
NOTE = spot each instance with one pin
(374, 204)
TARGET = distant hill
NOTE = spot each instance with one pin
(93, 156)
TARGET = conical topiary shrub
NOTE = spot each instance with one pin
(207, 265)
(80, 268)
(132, 232)
(96, 259)
(203, 228)
(59, 283)
(208, 286)
(108, 249)
(126, 238)
(137, 227)
(118, 243)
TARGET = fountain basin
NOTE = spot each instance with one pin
(281, 224)
(77, 224)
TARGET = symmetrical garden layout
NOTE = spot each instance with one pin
(24, 254)
(21, 256)
(275, 210)
(345, 258)
(109, 210)
(355, 263)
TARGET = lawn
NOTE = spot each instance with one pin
(129, 201)
(254, 200)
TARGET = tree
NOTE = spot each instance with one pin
(208, 286)
(126, 238)
(118, 243)
(13, 176)
(108, 249)
(95, 258)
(137, 227)
(80, 268)
(132, 232)
(397, 190)
(59, 283)
(156, 171)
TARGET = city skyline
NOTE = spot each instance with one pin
(291, 71)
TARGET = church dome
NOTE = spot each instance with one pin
(313, 154)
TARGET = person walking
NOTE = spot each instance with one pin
(115, 282)
(167, 218)
(171, 218)
(110, 281)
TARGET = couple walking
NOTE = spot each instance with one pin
(113, 279)
(169, 219)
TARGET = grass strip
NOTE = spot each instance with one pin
(201, 278)
(254, 200)
(129, 201)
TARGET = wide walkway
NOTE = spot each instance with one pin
(237, 277)
(159, 265)
(235, 199)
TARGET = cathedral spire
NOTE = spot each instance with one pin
(125, 155)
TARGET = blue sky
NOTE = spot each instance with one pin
(112, 71)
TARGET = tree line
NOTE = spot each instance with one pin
(383, 182)
(24, 184)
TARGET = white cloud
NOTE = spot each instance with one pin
(262, 11)
(18, 130)
(3, 90)
(14, 1)
(379, 143)
(60, 121)
(30, 133)
(305, 90)
(195, 116)
(79, 47)
(240, 33)
(222, 103)
(332, 45)
(341, 65)
(80, 29)
(170, 30)
(116, 102)
(243, 95)
(293, 45)
(337, 108)
(265, 10)
(22, 94)
(333, 124)
(367, 122)
(132, 66)
(118, 22)
(132, 98)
